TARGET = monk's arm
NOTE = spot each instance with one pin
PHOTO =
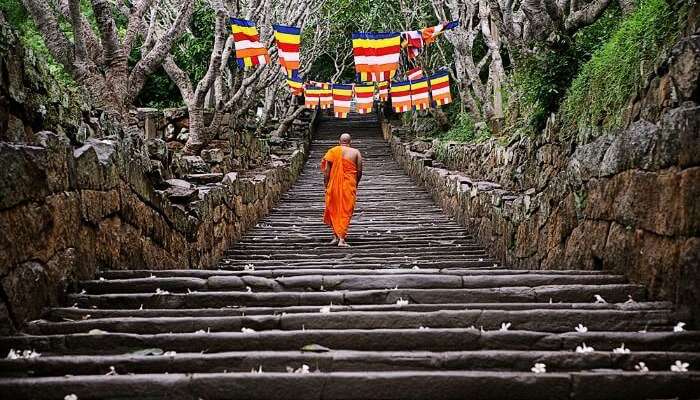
(327, 173)
(359, 167)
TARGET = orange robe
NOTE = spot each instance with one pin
(341, 192)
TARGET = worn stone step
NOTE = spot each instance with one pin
(434, 339)
(541, 320)
(203, 273)
(72, 314)
(339, 282)
(558, 293)
(339, 361)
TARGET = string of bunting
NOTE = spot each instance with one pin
(376, 55)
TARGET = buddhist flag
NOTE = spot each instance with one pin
(288, 40)
(383, 90)
(326, 96)
(376, 55)
(312, 95)
(414, 74)
(414, 41)
(364, 97)
(295, 83)
(420, 95)
(342, 96)
(401, 96)
(440, 87)
(429, 34)
(249, 50)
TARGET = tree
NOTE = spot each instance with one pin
(100, 64)
(228, 89)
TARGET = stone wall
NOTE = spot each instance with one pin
(78, 195)
(627, 202)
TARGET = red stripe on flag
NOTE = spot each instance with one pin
(381, 51)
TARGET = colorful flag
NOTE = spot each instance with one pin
(249, 50)
(440, 87)
(295, 83)
(429, 34)
(414, 74)
(312, 96)
(326, 96)
(376, 55)
(414, 41)
(342, 96)
(420, 95)
(383, 90)
(364, 97)
(401, 96)
(288, 40)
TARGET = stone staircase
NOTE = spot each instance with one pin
(414, 310)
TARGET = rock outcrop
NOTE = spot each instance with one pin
(626, 202)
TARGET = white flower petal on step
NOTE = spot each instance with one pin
(248, 289)
(504, 326)
(30, 354)
(70, 397)
(539, 368)
(401, 302)
(249, 267)
(257, 371)
(247, 330)
(481, 259)
(200, 332)
(621, 350)
(495, 265)
(102, 279)
(112, 371)
(325, 309)
(96, 332)
(13, 355)
(599, 299)
(630, 300)
(423, 328)
(581, 329)
(141, 307)
(584, 349)
(679, 327)
(83, 291)
(415, 267)
(152, 276)
(680, 366)
(170, 353)
(304, 369)
(641, 367)
(161, 292)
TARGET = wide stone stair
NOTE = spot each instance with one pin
(416, 309)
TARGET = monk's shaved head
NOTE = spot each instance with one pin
(345, 138)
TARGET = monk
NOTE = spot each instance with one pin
(342, 171)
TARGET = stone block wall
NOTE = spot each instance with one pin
(66, 212)
(627, 202)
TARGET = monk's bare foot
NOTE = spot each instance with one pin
(343, 243)
(334, 241)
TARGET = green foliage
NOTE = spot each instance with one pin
(464, 129)
(541, 78)
(598, 95)
(18, 17)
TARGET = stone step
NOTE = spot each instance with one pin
(542, 320)
(282, 272)
(340, 282)
(72, 314)
(434, 339)
(616, 293)
(339, 361)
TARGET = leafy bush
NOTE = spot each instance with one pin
(599, 94)
(464, 129)
(541, 78)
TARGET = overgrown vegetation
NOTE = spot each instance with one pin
(541, 79)
(598, 96)
(465, 129)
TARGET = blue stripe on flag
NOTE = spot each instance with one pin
(242, 22)
(292, 30)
